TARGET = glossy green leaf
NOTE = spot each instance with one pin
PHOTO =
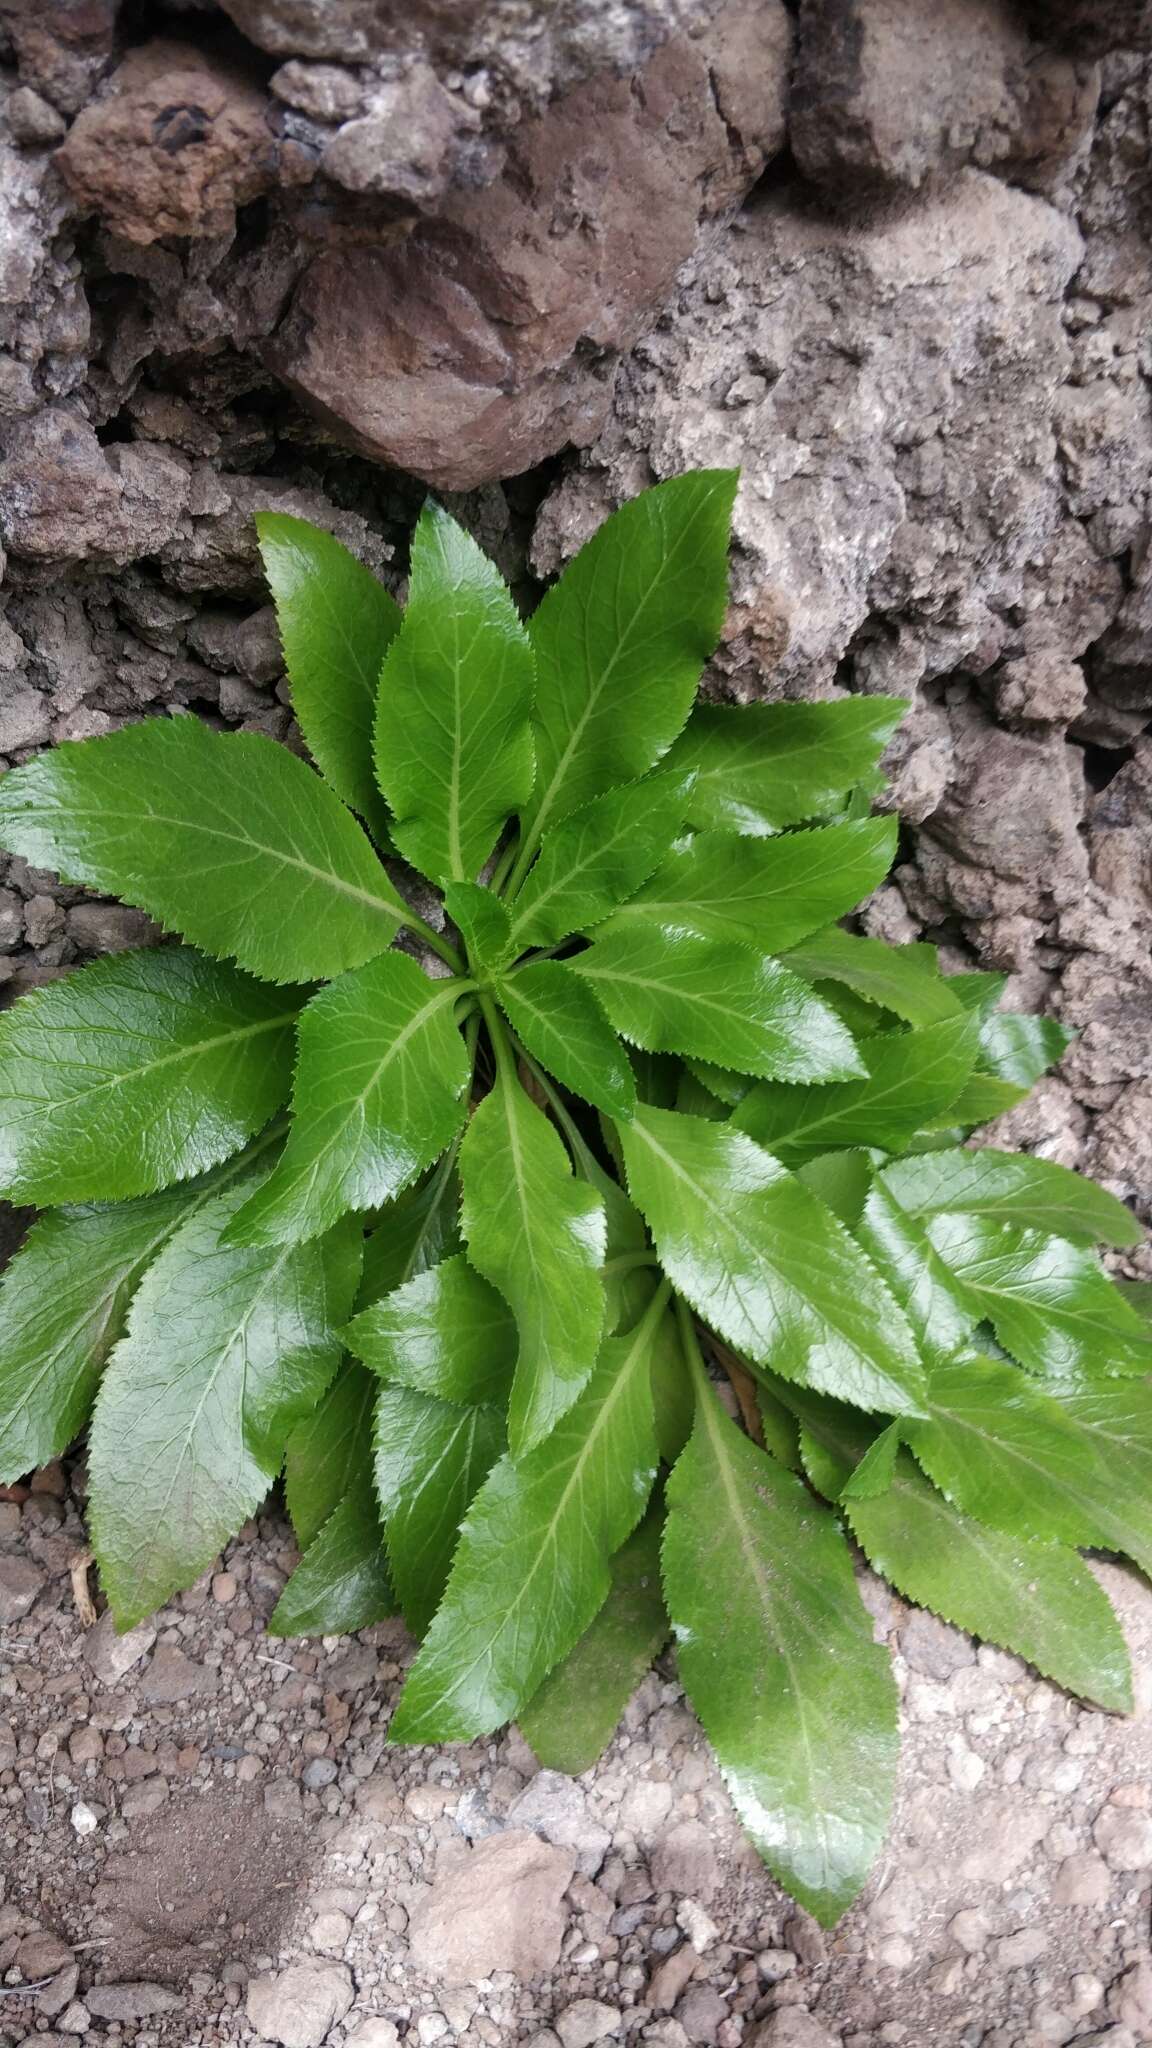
(63, 1305)
(1023, 1462)
(1049, 1302)
(903, 979)
(1037, 1599)
(912, 1076)
(718, 1001)
(445, 1333)
(1014, 1187)
(336, 623)
(557, 1018)
(598, 857)
(573, 1717)
(483, 923)
(417, 1230)
(380, 1091)
(227, 1349)
(1020, 1049)
(759, 767)
(341, 1582)
(621, 639)
(776, 1653)
(325, 1451)
(940, 1311)
(431, 1457)
(532, 1567)
(766, 1264)
(769, 894)
(453, 745)
(538, 1236)
(224, 837)
(140, 1070)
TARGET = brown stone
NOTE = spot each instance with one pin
(497, 1908)
(487, 339)
(180, 141)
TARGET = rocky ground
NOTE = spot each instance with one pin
(205, 1838)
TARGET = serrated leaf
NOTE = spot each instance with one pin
(976, 989)
(841, 1180)
(431, 1457)
(1036, 1599)
(769, 894)
(912, 1076)
(453, 745)
(621, 639)
(445, 1333)
(421, 1227)
(557, 1018)
(380, 1090)
(538, 1236)
(1049, 1302)
(597, 857)
(1020, 1049)
(760, 767)
(1014, 1187)
(903, 979)
(483, 922)
(325, 1451)
(138, 1071)
(341, 1582)
(573, 1717)
(64, 1301)
(1021, 1461)
(717, 1001)
(531, 1570)
(227, 1349)
(225, 838)
(982, 1098)
(776, 1653)
(336, 623)
(766, 1264)
(939, 1310)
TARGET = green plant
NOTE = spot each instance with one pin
(643, 1105)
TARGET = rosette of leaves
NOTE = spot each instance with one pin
(589, 1238)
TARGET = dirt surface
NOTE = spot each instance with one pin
(206, 1838)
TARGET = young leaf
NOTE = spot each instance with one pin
(903, 979)
(325, 1451)
(141, 1070)
(1020, 1049)
(483, 923)
(759, 767)
(573, 1717)
(621, 639)
(336, 623)
(1037, 1599)
(224, 837)
(769, 894)
(1021, 1461)
(417, 1230)
(1015, 1187)
(762, 1261)
(531, 1569)
(63, 1304)
(445, 1333)
(342, 1582)
(380, 1092)
(938, 1308)
(453, 745)
(597, 857)
(431, 1456)
(538, 1235)
(226, 1351)
(717, 1000)
(912, 1076)
(1048, 1301)
(561, 1024)
(776, 1653)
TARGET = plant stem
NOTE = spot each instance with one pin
(435, 941)
(524, 858)
(690, 1345)
(500, 872)
(498, 1038)
(584, 1159)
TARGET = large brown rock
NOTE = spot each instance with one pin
(178, 144)
(487, 339)
(497, 1908)
(892, 93)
